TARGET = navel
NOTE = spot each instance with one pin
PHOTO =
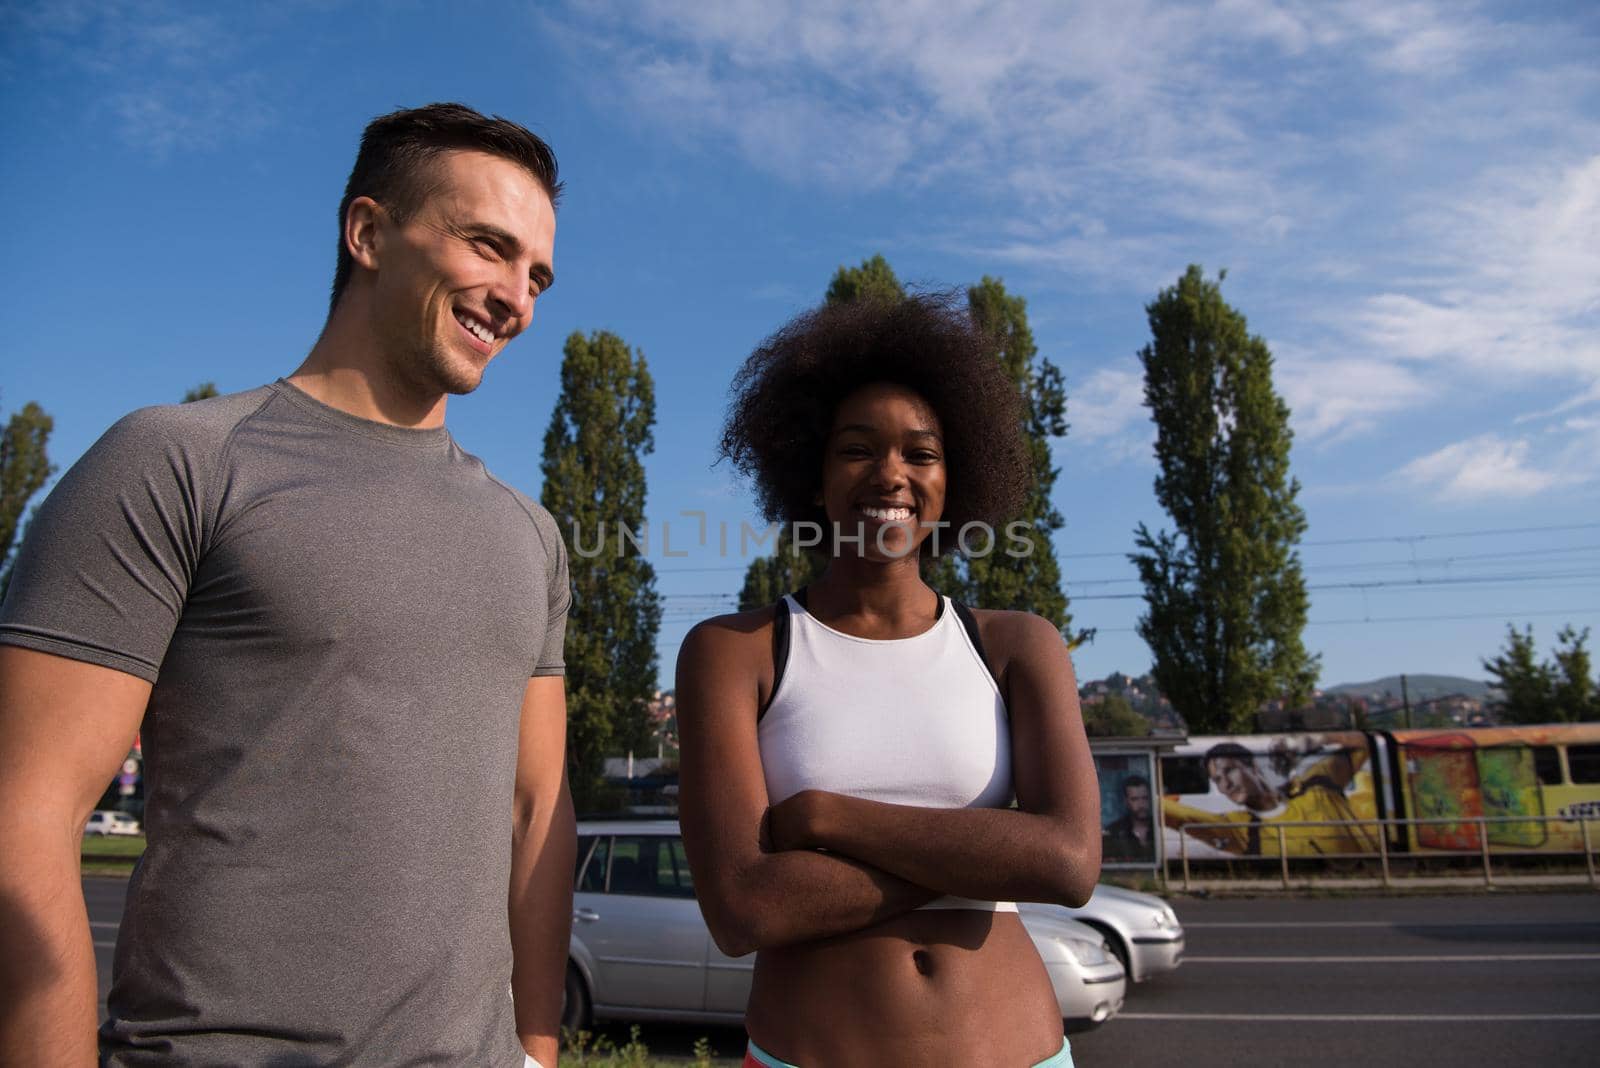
(923, 961)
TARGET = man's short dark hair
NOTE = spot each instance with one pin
(397, 151)
(1134, 780)
(1229, 749)
(785, 396)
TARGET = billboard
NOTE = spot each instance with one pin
(1252, 790)
(1127, 809)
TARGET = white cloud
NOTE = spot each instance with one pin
(1110, 424)
(168, 74)
(1519, 285)
(1101, 146)
(1333, 399)
(1491, 467)
(1487, 466)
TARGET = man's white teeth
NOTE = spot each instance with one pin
(482, 333)
(892, 515)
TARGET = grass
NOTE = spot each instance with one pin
(599, 1051)
(111, 854)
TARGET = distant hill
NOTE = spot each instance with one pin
(1420, 687)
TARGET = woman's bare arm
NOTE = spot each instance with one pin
(1047, 849)
(755, 897)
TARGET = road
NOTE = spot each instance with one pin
(1472, 979)
(1476, 979)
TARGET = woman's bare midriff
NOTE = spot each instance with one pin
(935, 987)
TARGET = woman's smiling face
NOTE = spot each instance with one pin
(883, 472)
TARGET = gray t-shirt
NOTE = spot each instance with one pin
(340, 618)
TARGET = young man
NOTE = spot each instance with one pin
(342, 641)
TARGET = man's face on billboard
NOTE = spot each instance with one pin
(1138, 798)
(1238, 780)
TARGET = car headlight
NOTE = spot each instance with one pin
(1164, 918)
(1087, 954)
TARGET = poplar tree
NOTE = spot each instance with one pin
(24, 469)
(873, 280)
(1029, 583)
(594, 485)
(768, 578)
(1225, 597)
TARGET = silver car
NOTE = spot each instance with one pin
(641, 950)
(1141, 929)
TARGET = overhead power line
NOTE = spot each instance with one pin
(1408, 584)
(1371, 540)
(1505, 615)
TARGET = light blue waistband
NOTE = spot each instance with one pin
(766, 1058)
(1061, 1059)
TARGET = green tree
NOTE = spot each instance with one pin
(1225, 597)
(1113, 717)
(874, 280)
(1572, 692)
(1524, 683)
(770, 577)
(200, 392)
(24, 469)
(1030, 583)
(594, 485)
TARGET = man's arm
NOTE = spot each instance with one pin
(1179, 816)
(65, 726)
(543, 843)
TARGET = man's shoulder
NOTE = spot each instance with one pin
(544, 523)
(200, 423)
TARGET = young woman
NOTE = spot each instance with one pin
(850, 755)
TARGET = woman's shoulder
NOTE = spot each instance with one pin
(1027, 651)
(734, 633)
(1008, 631)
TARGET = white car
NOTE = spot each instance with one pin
(103, 821)
(640, 949)
(1141, 929)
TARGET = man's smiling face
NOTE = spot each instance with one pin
(458, 279)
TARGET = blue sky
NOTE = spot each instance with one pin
(1405, 195)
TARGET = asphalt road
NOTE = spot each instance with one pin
(1493, 978)
(1510, 979)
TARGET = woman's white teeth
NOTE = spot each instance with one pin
(890, 514)
(482, 333)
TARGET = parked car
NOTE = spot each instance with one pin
(1141, 929)
(103, 821)
(641, 950)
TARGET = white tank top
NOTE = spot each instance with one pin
(908, 721)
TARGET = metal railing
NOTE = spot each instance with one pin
(1385, 854)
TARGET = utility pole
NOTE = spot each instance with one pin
(1405, 700)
